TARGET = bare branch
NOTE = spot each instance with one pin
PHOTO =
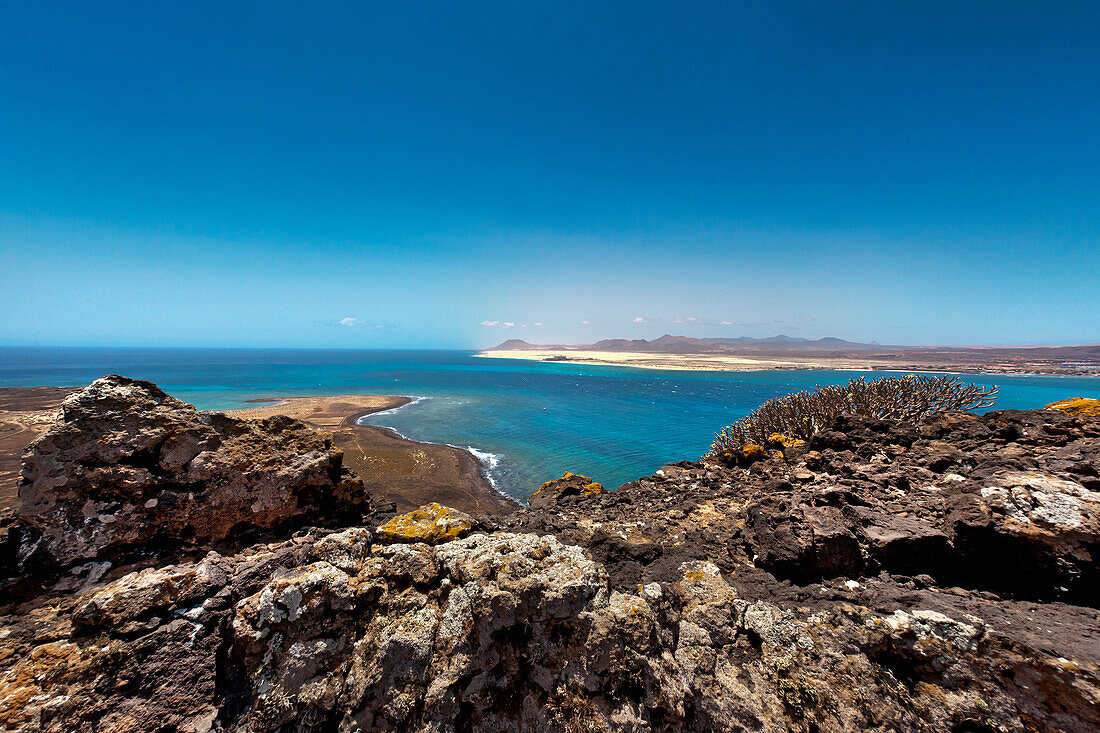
(802, 414)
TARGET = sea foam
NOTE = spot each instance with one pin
(487, 459)
(412, 401)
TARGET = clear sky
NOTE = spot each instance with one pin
(424, 174)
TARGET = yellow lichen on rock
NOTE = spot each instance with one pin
(42, 676)
(593, 488)
(432, 523)
(565, 477)
(754, 452)
(784, 441)
(1077, 406)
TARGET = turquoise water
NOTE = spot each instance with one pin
(529, 421)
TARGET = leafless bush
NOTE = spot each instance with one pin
(801, 415)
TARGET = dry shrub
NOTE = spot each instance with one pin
(801, 415)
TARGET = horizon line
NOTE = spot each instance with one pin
(483, 348)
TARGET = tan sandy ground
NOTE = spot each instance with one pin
(926, 361)
(325, 412)
(696, 362)
(24, 413)
(394, 469)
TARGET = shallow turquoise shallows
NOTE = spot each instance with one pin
(527, 421)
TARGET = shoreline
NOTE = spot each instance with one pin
(752, 363)
(488, 462)
(394, 468)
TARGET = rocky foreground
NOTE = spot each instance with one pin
(171, 570)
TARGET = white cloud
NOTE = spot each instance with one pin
(586, 323)
(538, 324)
(639, 319)
(727, 323)
(689, 319)
(350, 322)
(490, 323)
(508, 324)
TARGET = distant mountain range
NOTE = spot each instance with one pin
(669, 344)
(789, 345)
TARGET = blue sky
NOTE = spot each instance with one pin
(423, 174)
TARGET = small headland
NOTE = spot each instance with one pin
(396, 471)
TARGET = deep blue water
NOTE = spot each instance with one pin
(531, 420)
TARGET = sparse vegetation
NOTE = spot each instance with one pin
(799, 416)
(572, 712)
(794, 688)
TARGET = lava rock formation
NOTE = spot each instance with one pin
(884, 577)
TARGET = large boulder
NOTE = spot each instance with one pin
(432, 523)
(559, 490)
(127, 467)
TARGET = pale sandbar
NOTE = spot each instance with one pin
(970, 361)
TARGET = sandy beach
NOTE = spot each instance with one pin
(968, 362)
(688, 362)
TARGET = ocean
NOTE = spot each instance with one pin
(527, 421)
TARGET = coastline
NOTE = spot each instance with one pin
(938, 362)
(394, 469)
(325, 411)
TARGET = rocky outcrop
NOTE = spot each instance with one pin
(508, 631)
(1080, 406)
(128, 468)
(1007, 502)
(431, 524)
(884, 577)
(553, 493)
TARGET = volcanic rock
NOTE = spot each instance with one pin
(838, 586)
(569, 485)
(128, 468)
(1015, 511)
(1081, 406)
(431, 523)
